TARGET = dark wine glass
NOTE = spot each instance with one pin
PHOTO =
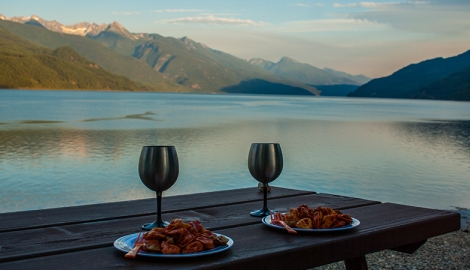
(158, 170)
(265, 165)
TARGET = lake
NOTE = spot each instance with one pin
(66, 148)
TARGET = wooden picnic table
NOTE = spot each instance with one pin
(82, 237)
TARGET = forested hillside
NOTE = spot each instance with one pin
(421, 79)
(26, 65)
(106, 58)
(453, 87)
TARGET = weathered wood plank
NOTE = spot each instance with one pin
(105, 211)
(400, 225)
(383, 226)
(65, 238)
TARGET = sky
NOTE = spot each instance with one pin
(374, 38)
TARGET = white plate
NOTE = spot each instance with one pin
(126, 243)
(267, 220)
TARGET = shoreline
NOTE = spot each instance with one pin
(464, 218)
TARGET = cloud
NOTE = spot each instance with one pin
(334, 25)
(300, 5)
(336, 5)
(444, 18)
(377, 5)
(127, 13)
(211, 19)
(306, 5)
(221, 14)
(387, 4)
(179, 10)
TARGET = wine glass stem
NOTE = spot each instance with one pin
(159, 207)
(265, 196)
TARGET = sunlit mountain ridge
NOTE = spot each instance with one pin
(169, 64)
(27, 65)
(183, 62)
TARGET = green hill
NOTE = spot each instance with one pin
(26, 65)
(454, 87)
(103, 56)
(408, 82)
(119, 39)
(262, 87)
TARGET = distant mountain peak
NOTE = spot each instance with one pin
(360, 79)
(118, 28)
(301, 72)
(262, 63)
(81, 29)
(257, 61)
(117, 25)
(95, 29)
(189, 42)
(288, 59)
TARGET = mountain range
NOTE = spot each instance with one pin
(438, 78)
(291, 69)
(81, 29)
(156, 63)
(27, 65)
(170, 64)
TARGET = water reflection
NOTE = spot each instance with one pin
(69, 148)
(142, 116)
(455, 133)
(423, 164)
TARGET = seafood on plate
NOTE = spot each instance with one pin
(179, 237)
(304, 217)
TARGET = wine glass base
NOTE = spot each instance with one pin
(260, 213)
(149, 226)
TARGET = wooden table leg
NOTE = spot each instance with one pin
(410, 248)
(358, 263)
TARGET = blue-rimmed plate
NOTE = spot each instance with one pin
(267, 221)
(126, 243)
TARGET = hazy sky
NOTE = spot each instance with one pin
(370, 38)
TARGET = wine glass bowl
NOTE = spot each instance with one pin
(265, 164)
(158, 170)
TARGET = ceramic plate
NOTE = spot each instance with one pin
(267, 220)
(126, 243)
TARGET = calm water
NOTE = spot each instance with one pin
(64, 148)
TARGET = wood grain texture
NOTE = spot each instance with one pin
(65, 238)
(106, 211)
(87, 244)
